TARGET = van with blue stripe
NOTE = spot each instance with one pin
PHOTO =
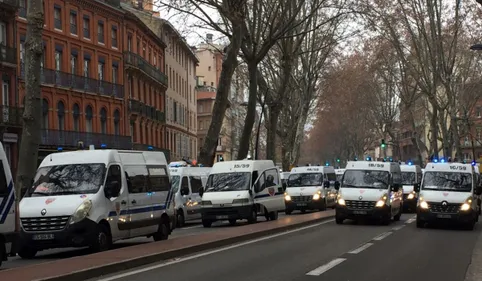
(243, 189)
(94, 198)
(7, 208)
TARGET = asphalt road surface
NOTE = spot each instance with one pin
(191, 228)
(326, 251)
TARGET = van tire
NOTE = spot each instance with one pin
(254, 216)
(273, 215)
(470, 225)
(339, 220)
(162, 232)
(288, 212)
(103, 241)
(207, 223)
(27, 253)
(323, 207)
(420, 224)
(180, 218)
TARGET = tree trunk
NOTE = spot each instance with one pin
(434, 132)
(221, 103)
(251, 112)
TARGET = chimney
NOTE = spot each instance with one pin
(209, 38)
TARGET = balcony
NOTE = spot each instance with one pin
(146, 110)
(77, 82)
(134, 60)
(11, 5)
(8, 55)
(71, 139)
(11, 116)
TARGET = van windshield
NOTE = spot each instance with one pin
(228, 182)
(305, 179)
(175, 183)
(68, 179)
(339, 177)
(447, 181)
(408, 178)
(366, 179)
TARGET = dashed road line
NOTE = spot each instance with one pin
(360, 249)
(324, 268)
(382, 236)
(398, 227)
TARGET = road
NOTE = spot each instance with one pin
(191, 228)
(326, 251)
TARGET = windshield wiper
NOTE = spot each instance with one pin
(350, 185)
(377, 179)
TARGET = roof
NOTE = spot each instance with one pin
(449, 167)
(132, 14)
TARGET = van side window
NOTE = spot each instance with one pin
(3, 182)
(158, 178)
(137, 175)
(419, 177)
(255, 177)
(261, 181)
(196, 184)
(273, 180)
(397, 178)
(114, 174)
(184, 183)
(331, 176)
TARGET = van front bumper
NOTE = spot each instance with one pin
(306, 205)
(425, 215)
(81, 234)
(226, 213)
(342, 212)
(409, 204)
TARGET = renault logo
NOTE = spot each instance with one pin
(444, 203)
(43, 212)
(360, 198)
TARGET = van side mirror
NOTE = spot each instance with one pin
(201, 191)
(326, 184)
(337, 185)
(112, 189)
(416, 187)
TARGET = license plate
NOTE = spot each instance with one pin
(221, 217)
(301, 204)
(43, 237)
(360, 212)
(444, 216)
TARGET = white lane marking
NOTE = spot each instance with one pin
(398, 227)
(190, 227)
(410, 220)
(324, 268)
(382, 236)
(179, 260)
(361, 248)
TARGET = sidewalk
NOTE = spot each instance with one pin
(474, 271)
(95, 265)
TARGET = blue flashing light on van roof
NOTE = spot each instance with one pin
(60, 149)
(327, 164)
(356, 158)
(474, 163)
(369, 158)
(103, 145)
(410, 163)
(435, 160)
(442, 160)
(391, 159)
(150, 148)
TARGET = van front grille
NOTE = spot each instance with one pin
(360, 205)
(439, 208)
(40, 224)
(301, 198)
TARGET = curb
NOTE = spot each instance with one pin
(474, 270)
(106, 269)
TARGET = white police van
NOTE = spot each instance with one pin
(411, 177)
(95, 197)
(370, 190)
(186, 183)
(242, 190)
(449, 192)
(7, 208)
(310, 188)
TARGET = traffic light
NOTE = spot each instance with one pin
(338, 160)
(383, 145)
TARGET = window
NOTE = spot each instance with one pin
(58, 59)
(73, 22)
(478, 112)
(61, 115)
(45, 114)
(158, 179)
(114, 175)
(103, 121)
(129, 42)
(3, 182)
(100, 32)
(76, 113)
(73, 63)
(86, 65)
(88, 119)
(23, 9)
(116, 122)
(114, 36)
(22, 51)
(86, 27)
(115, 72)
(136, 178)
(100, 70)
(196, 184)
(219, 141)
(272, 177)
(57, 17)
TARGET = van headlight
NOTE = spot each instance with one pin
(82, 212)
(380, 203)
(423, 205)
(287, 197)
(341, 202)
(317, 196)
(241, 201)
(465, 207)
(411, 196)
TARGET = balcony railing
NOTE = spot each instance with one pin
(11, 116)
(146, 110)
(72, 138)
(77, 82)
(8, 54)
(137, 61)
(11, 4)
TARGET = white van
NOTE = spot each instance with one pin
(339, 174)
(310, 188)
(370, 190)
(448, 193)
(95, 197)
(242, 190)
(284, 177)
(7, 208)
(186, 183)
(411, 176)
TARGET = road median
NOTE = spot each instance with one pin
(96, 265)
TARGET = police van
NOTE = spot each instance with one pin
(370, 190)
(310, 188)
(411, 176)
(95, 197)
(449, 192)
(242, 189)
(284, 177)
(186, 183)
(339, 174)
(7, 208)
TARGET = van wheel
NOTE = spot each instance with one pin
(303, 211)
(288, 212)
(420, 224)
(254, 216)
(273, 215)
(162, 232)
(470, 225)
(103, 241)
(27, 253)
(339, 220)
(180, 218)
(207, 223)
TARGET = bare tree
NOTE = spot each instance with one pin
(30, 141)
